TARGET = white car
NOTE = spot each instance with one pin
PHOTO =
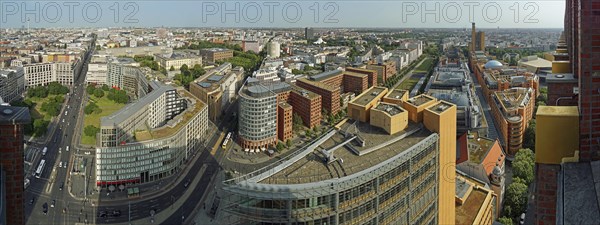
(522, 219)
(60, 165)
(65, 165)
(67, 148)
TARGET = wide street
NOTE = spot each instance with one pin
(55, 182)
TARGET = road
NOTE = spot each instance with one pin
(48, 187)
(491, 122)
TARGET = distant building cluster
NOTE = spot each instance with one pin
(177, 59)
(218, 88)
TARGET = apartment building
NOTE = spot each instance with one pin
(512, 110)
(307, 105)
(388, 178)
(213, 55)
(384, 70)
(12, 84)
(122, 73)
(371, 74)
(476, 204)
(284, 121)
(150, 139)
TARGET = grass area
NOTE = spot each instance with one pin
(408, 84)
(108, 107)
(36, 111)
(425, 66)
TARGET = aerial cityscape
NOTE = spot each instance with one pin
(304, 113)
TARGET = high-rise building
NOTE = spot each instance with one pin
(398, 177)
(12, 84)
(12, 121)
(477, 39)
(309, 33)
(473, 37)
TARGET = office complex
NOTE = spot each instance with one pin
(384, 70)
(123, 73)
(12, 84)
(309, 33)
(477, 39)
(40, 74)
(12, 125)
(150, 139)
(452, 82)
(360, 174)
(217, 89)
(213, 55)
(177, 59)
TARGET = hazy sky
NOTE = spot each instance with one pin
(299, 13)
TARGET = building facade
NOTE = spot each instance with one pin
(512, 110)
(40, 74)
(12, 84)
(215, 54)
(150, 139)
(177, 59)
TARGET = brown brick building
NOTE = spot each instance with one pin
(372, 75)
(355, 82)
(284, 121)
(12, 120)
(307, 105)
(215, 54)
(384, 70)
(330, 95)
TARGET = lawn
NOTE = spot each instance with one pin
(108, 107)
(36, 112)
(425, 66)
(409, 83)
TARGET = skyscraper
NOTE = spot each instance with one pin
(12, 120)
(309, 33)
(473, 37)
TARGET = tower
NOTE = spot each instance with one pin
(12, 121)
(473, 37)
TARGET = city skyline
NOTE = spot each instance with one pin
(290, 14)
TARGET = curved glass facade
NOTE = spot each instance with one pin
(257, 119)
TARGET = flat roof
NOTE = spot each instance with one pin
(395, 93)
(557, 110)
(440, 107)
(215, 49)
(306, 93)
(14, 115)
(131, 108)
(479, 147)
(420, 99)
(183, 118)
(580, 189)
(325, 75)
(317, 84)
(512, 98)
(560, 78)
(391, 109)
(368, 96)
(468, 211)
(312, 168)
(354, 74)
(263, 89)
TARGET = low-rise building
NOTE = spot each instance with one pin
(476, 204)
(133, 51)
(177, 59)
(213, 55)
(217, 89)
(40, 74)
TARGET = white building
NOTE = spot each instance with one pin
(268, 74)
(177, 59)
(40, 74)
(274, 49)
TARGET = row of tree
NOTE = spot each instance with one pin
(188, 75)
(515, 200)
(391, 81)
(53, 88)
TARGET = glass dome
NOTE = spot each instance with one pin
(493, 64)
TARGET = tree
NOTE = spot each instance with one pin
(172, 68)
(99, 93)
(308, 133)
(529, 136)
(523, 165)
(505, 220)
(279, 146)
(183, 68)
(296, 122)
(90, 130)
(90, 89)
(39, 127)
(516, 199)
(89, 109)
(288, 143)
(105, 87)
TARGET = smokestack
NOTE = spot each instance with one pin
(473, 37)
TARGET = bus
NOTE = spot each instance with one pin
(40, 169)
(44, 151)
(226, 139)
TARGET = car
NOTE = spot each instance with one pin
(187, 183)
(52, 204)
(63, 120)
(61, 186)
(522, 219)
(116, 213)
(102, 214)
(65, 210)
(87, 153)
(65, 165)
(67, 148)
(60, 165)
(31, 201)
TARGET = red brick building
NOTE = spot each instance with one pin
(284, 121)
(371, 74)
(355, 82)
(330, 100)
(12, 120)
(307, 105)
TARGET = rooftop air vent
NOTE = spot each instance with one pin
(560, 76)
(7, 111)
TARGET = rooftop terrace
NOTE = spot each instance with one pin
(368, 96)
(440, 107)
(396, 93)
(325, 75)
(467, 212)
(420, 99)
(181, 119)
(313, 169)
(391, 109)
(479, 147)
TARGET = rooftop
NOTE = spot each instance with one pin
(396, 93)
(306, 93)
(455, 97)
(216, 49)
(467, 212)
(580, 189)
(391, 109)
(354, 74)
(512, 98)
(131, 108)
(560, 78)
(181, 119)
(558, 110)
(325, 75)
(368, 96)
(264, 89)
(312, 168)
(14, 115)
(420, 99)
(317, 84)
(479, 147)
(440, 107)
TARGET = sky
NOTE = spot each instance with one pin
(281, 14)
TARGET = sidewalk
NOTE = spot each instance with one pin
(202, 212)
